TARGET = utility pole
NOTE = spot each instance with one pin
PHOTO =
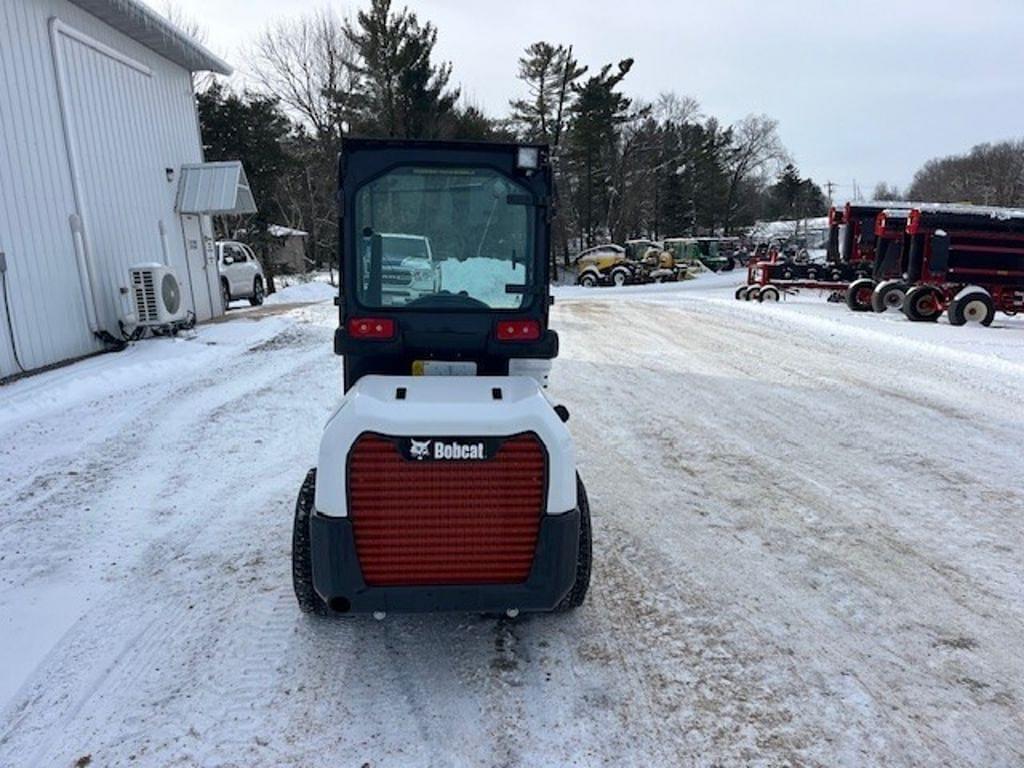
(830, 187)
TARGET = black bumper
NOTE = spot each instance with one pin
(338, 579)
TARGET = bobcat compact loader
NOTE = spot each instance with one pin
(446, 480)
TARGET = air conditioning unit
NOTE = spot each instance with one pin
(157, 296)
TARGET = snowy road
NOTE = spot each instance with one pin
(808, 538)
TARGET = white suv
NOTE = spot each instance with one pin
(241, 276)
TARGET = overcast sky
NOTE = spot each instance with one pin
(863, 91)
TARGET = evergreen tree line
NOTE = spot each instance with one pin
(624, 168)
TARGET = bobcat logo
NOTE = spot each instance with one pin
(419, 449)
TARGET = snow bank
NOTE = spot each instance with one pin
(484, 278)
(314, 290)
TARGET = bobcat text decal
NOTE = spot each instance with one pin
(449, 448)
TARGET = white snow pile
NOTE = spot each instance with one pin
(484, 279)
(301, 293)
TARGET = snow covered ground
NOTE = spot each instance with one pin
(808, 538)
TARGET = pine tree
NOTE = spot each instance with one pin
(399, 91)
(597, 116)
(251, 128)
(549, 73)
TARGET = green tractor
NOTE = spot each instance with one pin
(712, 253)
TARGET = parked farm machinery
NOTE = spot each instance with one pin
(965, 261)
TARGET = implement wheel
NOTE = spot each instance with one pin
(768, 293)
(923, 304)
(752, 293)
(858, 295)
(738, 295)
(888, 294)
(972, 305)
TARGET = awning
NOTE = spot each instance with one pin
(215, 188)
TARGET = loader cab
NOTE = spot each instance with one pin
(444, 257)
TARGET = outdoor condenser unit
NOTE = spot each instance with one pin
(156, 293)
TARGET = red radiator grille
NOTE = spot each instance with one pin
(445, 522)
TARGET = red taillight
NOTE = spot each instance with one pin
(380, 328)
(518, 330)
(913, 222)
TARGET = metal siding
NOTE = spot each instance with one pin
(128, 129)
(47, 310)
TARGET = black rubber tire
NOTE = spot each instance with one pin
(886, 293)
(859, 293)
(225, 294)
(963, 309)
(302, 562)
(768, 293)
(620, 277)
(730, 264)
(738, 295)
(578, 594)
(257, 292)
(588, 280)
(923, 304)
(752, 293)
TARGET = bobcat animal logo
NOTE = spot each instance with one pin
(419, 449)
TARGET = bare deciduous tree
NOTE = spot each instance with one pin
(306, 63)
(670, 107)
(990, 174)
(756, 146)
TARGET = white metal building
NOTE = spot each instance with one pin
(101, 167)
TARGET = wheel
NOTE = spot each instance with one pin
(923, 303)
(620, 277)
(302, 563)
(812, 274)
(257, 292)
(972, 305)
(588, 280)
(225, 294)
(858, 295)
(836, 276)
(768, 293)
(738, 295)
(888, 294)
(752, 293)
(578, 593)
(730, 264)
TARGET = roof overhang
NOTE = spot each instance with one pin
(214, 188)
(139, 22)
